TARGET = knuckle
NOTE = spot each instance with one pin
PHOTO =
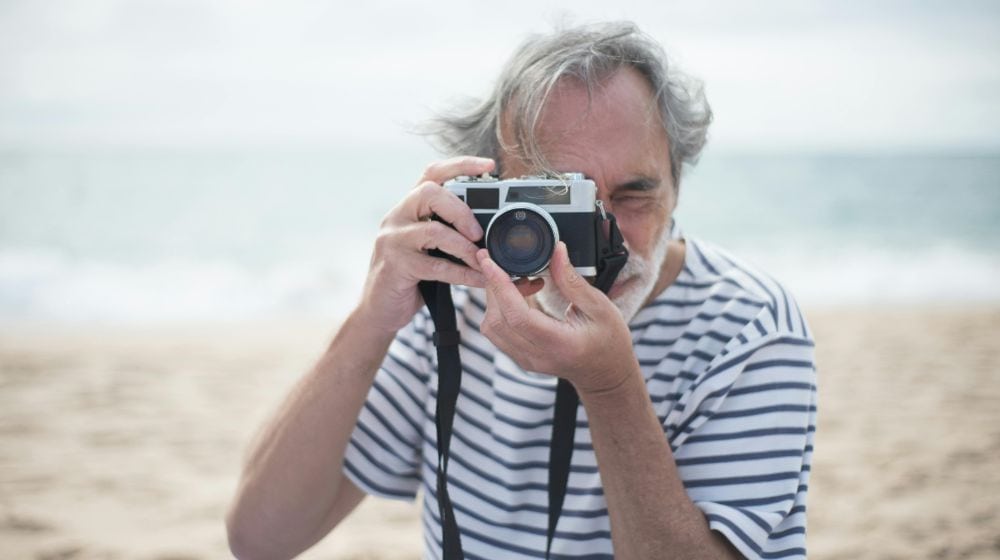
(517, 320)
(439, 266)
(437, 230)
(431, 170)
(392, 216)
(493, 324)
(496, 291)
(471, 253)
(428, 189)
(427, 237)
(470, 276)
(572, 278)
(383, 240)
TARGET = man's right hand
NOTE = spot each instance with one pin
(292, 491)
(399, 258)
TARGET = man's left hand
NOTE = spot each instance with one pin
(592, 347)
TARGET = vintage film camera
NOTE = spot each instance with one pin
(524, 218)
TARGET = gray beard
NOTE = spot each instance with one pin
(645, 271)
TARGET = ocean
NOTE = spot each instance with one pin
(151, 236)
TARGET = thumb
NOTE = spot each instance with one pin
(574, 287)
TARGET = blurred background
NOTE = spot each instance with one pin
(170, 161)
(189, 190)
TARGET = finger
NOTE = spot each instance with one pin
(516, 312)
(435, 235)
(521, 351)
(574, 287)
(430, 199)
(509, 339)
(444, 170)
(500, 287)
(426, 267)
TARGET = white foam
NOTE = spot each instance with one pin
(40, 286)
(873, 276)
(44, 286)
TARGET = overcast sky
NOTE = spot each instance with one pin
(790, 75)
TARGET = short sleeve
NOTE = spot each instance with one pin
(383, 456)
(744, 446)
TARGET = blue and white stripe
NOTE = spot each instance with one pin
(728, 362)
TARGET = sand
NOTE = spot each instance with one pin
(126, 443)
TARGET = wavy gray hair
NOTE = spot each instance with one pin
(589, 54)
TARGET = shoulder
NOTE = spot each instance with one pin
(718, 313)
(719, 281)
(728, 342)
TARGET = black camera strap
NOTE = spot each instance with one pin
(612, 256)
(437, 297)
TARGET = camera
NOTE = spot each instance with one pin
(524, 218)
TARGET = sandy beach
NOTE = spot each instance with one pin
(126, 443)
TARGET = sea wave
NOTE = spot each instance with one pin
(45, 286)
(859, 275)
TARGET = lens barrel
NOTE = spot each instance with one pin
(521, 239)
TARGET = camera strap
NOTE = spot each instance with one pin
(437, 297)
(612, 256)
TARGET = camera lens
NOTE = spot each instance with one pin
(521, 238)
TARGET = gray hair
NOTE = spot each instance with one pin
(589, 54)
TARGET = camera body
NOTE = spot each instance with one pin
(524, 218)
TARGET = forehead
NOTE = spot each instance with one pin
(622, 99)
(615, 124)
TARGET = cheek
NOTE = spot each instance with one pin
(641, 228)
(642, 223)
(638, 236)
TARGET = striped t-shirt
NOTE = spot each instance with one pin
(728, 363)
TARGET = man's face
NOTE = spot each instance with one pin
(615, 137)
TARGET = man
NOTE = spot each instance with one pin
(695, 374)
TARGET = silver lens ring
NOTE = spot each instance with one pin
(521, 238)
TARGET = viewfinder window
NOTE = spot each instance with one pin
(539, 195)
(483, 199)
